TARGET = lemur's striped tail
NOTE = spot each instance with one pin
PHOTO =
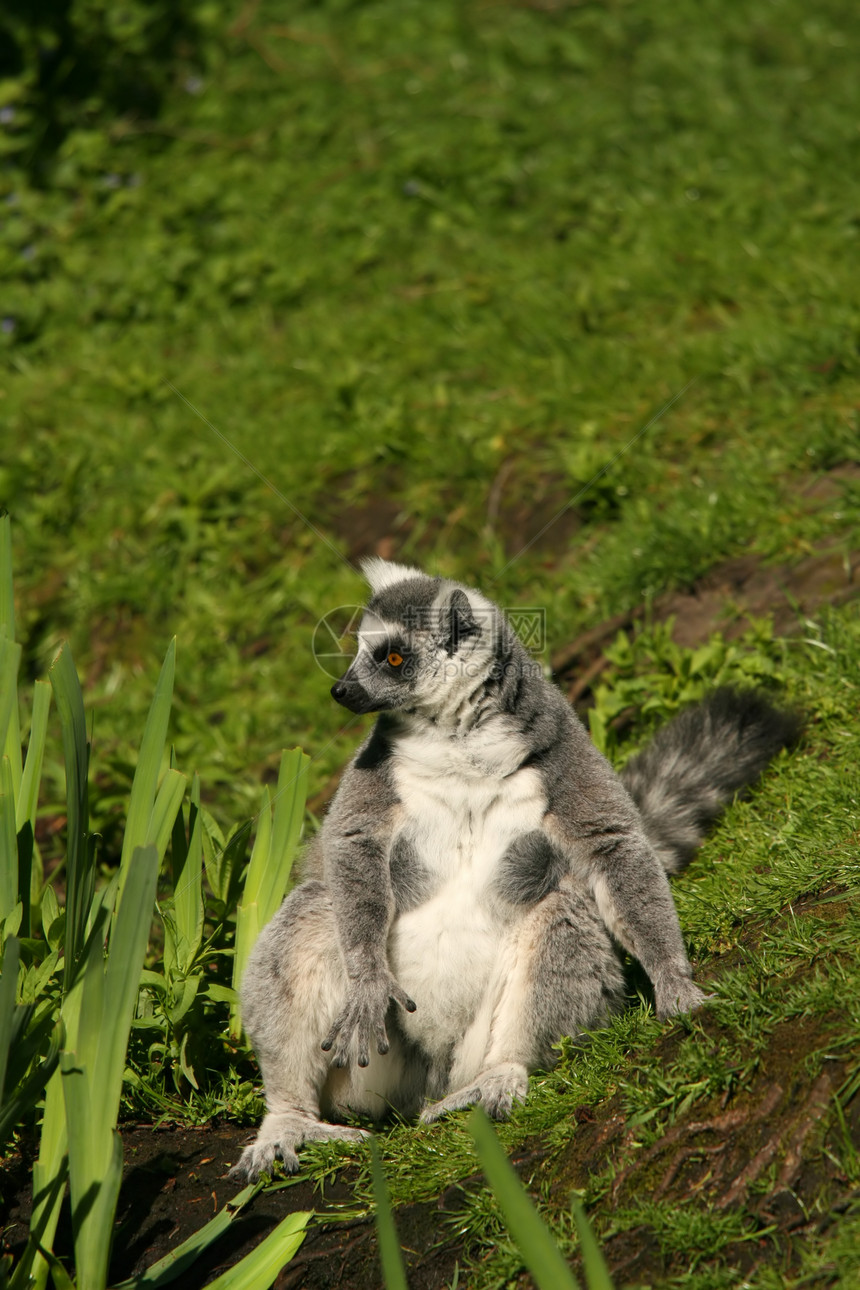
(698, 762)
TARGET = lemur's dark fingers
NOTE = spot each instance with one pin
(332, 1035)
(380, 1036)
(399, 995)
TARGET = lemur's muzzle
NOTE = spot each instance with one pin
(350, 694)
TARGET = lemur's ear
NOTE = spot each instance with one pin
(461, 621)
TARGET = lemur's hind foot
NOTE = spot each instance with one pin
(497, 1090)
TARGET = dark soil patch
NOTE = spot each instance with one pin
(722, 1158)
(176, 1180)
(726, 599)
(732, 594)
(536, 515)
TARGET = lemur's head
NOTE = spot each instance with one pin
(424, 644)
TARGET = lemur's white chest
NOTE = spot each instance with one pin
(463, 802)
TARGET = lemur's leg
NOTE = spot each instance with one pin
(294, 987)
(557, 974)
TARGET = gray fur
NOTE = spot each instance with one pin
(477, 867)
(698, 762)
(411, 883)
(530, 869)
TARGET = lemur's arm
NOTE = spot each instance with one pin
(594, 821)
(355, 841)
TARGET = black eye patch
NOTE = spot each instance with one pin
(393, 656)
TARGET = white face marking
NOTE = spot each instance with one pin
(375, 631)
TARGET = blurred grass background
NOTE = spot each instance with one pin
(428, 268)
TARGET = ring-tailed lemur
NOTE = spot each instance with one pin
(478, 865)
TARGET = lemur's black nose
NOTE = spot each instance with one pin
(353, 696)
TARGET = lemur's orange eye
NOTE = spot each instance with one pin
(395, 659)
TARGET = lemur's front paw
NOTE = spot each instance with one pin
(364, 1018)
(259, 1158)
(281, 1135)
(674, 995)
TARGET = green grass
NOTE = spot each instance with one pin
(422, 272)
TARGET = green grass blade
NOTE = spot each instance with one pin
(185, 1255)
(535, 1242)
(596, 1272)
(188, 900)
(10, 731)
(92, 1073)
(248, 923)
(31, 1270)
(122, 976)
(59, 1276)
(224, 861)
(95, 1173)
(80, 866)
(165, 810)
(271, 861)
(8, 988)
(261, 850)
(28, 793)
(26, 844)
(390, 1254)
(8, 842)
(146, 775)
(23, 1031)
(49, 1180)
(257, 1271)
(31, 1088)
(289, 806)
(51, 1167)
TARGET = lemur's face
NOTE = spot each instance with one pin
(419, 644)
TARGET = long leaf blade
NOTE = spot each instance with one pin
(10, 733)
(80, 866)
(286, 830)
(28, 794)
(188, 899)
(10, 730)
(92, 1073)
(8, 986)
(8, 842)
(248, 922)
(186, 1255)
(148, 768)
(165, 810)
(258, 1269)
(390, 1254)
(596, 1272)
(540, 1253)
